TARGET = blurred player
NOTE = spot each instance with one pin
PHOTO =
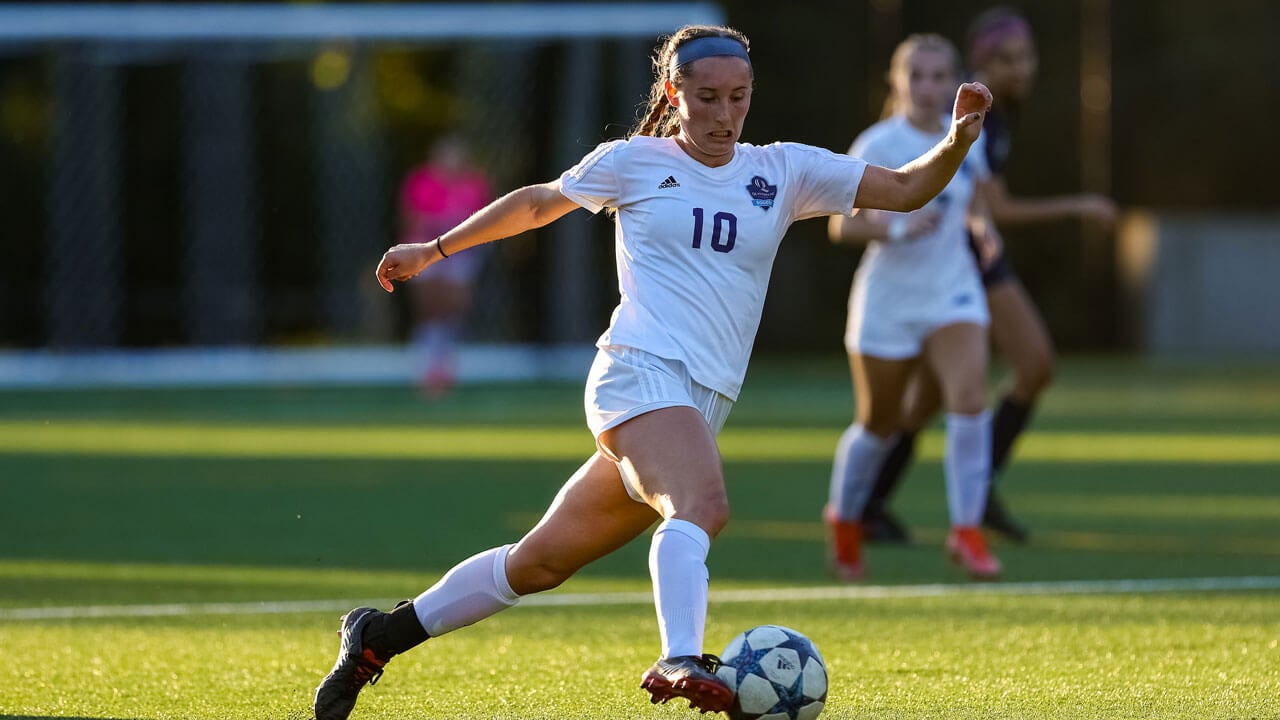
(1002, 55)
(917, 301)
(434, 197)
(699, 218)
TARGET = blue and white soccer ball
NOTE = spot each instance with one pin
(775, 673)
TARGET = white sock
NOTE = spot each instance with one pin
(678, 566)
(472, 591)
(968, 466)
(859, 455)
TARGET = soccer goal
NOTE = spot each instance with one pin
(226, 175)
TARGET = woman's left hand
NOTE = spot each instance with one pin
(973, 100)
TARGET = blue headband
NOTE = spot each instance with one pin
(710, 46)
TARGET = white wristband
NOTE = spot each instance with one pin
(897, 229)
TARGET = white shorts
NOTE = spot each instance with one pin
(897, 331)
(625, 382)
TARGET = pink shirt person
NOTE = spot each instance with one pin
(438, 195)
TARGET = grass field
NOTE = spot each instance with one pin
(184, 554)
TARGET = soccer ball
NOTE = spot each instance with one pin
(775, 673)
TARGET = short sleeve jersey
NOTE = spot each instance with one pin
(695, 244)
(920, 270)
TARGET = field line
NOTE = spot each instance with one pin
(794, 594)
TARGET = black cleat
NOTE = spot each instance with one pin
(882, 527)
(997, 519)
(690, 677)
(356, 667)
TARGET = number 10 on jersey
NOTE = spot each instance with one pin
(724, 230)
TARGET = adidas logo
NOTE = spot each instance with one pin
(669, 183)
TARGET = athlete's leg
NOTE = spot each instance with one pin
(923, 399)
(1020, 335)
(879, 385)
(590, 517)
(439, 306)
(670, 459)
(957, 354)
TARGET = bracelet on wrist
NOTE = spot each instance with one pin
(897, 229)
(440, 248)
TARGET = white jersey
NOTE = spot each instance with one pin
(695, 244)
(912, 287)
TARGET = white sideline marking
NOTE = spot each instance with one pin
(839, 592)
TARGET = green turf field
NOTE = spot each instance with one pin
(185, 554)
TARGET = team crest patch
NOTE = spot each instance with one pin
(762, 193)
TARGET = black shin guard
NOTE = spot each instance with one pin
(890, 474)
(1009, 422)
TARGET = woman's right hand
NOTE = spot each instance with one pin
(403, 262)
(986, 236)
(915, 225)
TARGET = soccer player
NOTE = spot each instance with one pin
(917, 300)
(699, 217)
(1002, 55)
(435, 196)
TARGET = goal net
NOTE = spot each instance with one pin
(228, 175)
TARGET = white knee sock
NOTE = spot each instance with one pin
(968, 466)
(472, 591)
(859, 455)
(678, 566)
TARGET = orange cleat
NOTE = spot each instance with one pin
(846, 547)
(967, 547)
